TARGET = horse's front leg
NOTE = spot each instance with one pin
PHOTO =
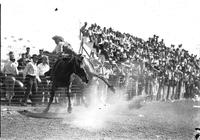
(69, 101)
(52, 94)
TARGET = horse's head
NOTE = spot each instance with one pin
(79, 68)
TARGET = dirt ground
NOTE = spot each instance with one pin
(124, 121)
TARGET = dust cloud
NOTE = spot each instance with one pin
(101, 110)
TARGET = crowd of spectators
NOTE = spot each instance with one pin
(168, 72)
(170, 66)
(29, 70)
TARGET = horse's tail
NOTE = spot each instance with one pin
(105, 81)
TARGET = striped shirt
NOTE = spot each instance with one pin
(10, 68)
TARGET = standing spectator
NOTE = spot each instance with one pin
(40, 56)
(83, 31)
(11, 71)
(21, 66)
(42, 68)
(27, 54)
(10, 54)
(22, 62)
(31, 76)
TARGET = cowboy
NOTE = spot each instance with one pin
(11, 71)
(61, 45)
(31, 77)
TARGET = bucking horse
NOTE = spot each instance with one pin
(60, 75)
(62, 70)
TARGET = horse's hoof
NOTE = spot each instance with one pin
(23, 104)
(45, 111)
(86, 105)
(33, 104)
(112, 88)
(69, 110)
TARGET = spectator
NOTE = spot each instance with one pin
(42, 68)
(10, 54)
(27, 54)
(22, 62)
(11, 71)
(40, 56)
(83, 31)
(31, 77)
(152, 55)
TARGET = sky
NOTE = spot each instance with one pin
(176, 21)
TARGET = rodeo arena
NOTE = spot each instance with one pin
(117, 86)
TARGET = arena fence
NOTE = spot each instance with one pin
(76, 91)
(137, 85)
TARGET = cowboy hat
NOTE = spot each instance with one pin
(56, 37)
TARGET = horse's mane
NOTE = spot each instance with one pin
(57, 64)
